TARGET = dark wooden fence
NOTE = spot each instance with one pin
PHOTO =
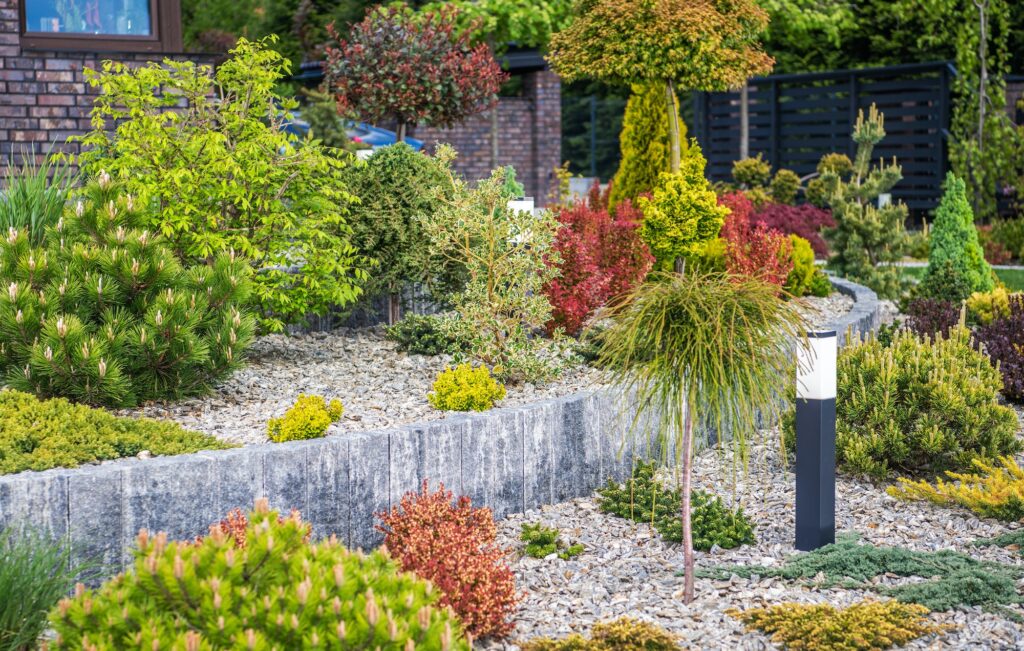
(796, 119)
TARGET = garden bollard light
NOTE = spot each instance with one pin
(816, 441)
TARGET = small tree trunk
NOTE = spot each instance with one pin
(394, 308)
(673, 125)
(688, 562)
(400, 132)
(744, 122)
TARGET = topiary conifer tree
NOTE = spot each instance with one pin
(106, 315)
(644, 143)
(867, 239)
(954, 241)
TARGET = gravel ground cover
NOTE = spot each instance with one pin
(626, 569)
(379, 386)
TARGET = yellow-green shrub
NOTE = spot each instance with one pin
(308, 418)
(798, 283)
(785, 186)
(986, 307)
(623, 634)
(864, 626)
(751, 172)
(996, 492)
(40, 434)
(707, 256)
(465, 388)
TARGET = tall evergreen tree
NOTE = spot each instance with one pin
(954, 241)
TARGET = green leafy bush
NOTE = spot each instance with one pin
(508, 258)
(426, 335)
(752, 173)
(35, 195)
(919, 406)
(276, 591)
(644, 499)
(465, 388)
(1010, 233)
(106, 315)
(863, 626)
(943, 282)
(954, 241)
(799, 281)
(542, 541)
(308, 418)
(35, 573)
(623, 634)
(41, 434)
(224, 176)
(820, 286)
(919, 243)
(784, 187)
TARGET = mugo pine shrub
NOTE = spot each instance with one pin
(919, 406)
(42, 434)
(308, 418)
(453, 545)
(542, 541)
(276, 592)
(465, 388)
(106, 315)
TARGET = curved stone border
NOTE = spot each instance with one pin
(863, 318)
(510, 459)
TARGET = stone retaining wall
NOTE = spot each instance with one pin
(510, 459)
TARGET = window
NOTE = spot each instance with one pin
(101, 25)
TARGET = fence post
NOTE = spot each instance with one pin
(851, 146)
(816, 441)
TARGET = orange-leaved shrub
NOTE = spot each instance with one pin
(753, 249)
(235, 524)
(452, 544)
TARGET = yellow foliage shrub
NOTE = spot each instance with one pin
(864, 626)
(465, 388)
(985, 307)
(308, 418)
(623, 634)
(996, 492)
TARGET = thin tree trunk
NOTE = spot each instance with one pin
(394, 300)
(673, 125)
(400, 132)
(983, 72)
(494, 137)
(744, 122)
(686, 489)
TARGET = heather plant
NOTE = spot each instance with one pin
(863, 626)
(43, 434)
(465, 388)
(682, 212)
(867, 240)
(644, 141)
(542, 541)
(222, 175)
(1003, 341)
(699, 350)
(804, 220)
(410, 68)
(508, 257)
(751, 249)
(426, 335)
(35, 573)
(601, 256)
(954, 241)
(276, 591)
(35, 194)
(643, 498)
(932, 317)
(623, 634)
(453, 545)
(106, 315)
(989, 490)
(308, 418)
(919, 406)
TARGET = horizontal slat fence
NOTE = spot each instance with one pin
(796, 119)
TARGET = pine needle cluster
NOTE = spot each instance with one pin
(991, 491)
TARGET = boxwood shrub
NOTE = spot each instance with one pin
(41, 434)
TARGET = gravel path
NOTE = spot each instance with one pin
(627, 570)
(379, 386)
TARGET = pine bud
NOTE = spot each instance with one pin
(12, 290)
(135, 267)
(19, 317)
(102, 368)
(12, 235)
(85, 351)
(62, 328)
(250, 638)
(104, 179)
(159, 319)
(392, 628)
(142, 336)
(410, 645)
(48, 354)
(315, 639)
(372, 613)
(31, 262)
(179, 567)
(192, 639)
(341, 630)
(99, 286)
(129, 201)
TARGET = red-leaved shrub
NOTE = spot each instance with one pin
(805, 220)
(1004, 343)
(452, 544)
(753, 249)
(236, 522)
(995, 251)
(602, 256)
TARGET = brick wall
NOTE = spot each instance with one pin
(530, 136)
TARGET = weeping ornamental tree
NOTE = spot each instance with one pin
(689, 44)
(412, 68)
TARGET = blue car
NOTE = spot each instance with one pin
(359, 132)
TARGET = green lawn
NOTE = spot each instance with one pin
(1014, 278)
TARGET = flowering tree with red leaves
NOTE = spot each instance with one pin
(414, 68)
(601, 256)
(805, 220)
(452, 544)
(753, 249)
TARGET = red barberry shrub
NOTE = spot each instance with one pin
(805, 220)
(411, 67)
(1004, 342)
(753, 249)
(996, 252)
(602, 256)
(929, 317)
(235, 524)
(452, 544)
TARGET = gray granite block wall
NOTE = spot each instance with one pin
(510, 459)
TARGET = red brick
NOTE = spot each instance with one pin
(61, 64)
(11, 99)
(60, 123)
(48, 112)
(56, 100)
(55, 75)
(29, 136)
(13, 111)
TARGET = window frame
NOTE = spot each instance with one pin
(165, 25)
